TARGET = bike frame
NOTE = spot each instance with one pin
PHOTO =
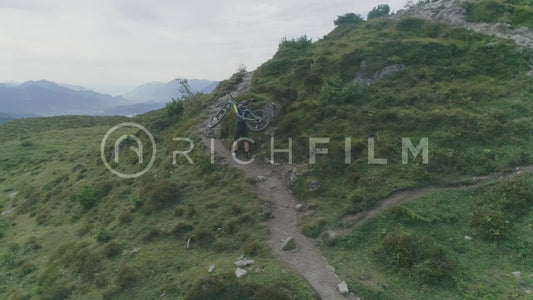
(236, 110)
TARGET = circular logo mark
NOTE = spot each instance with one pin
(138, 150)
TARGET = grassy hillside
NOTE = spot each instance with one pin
(517, 13)
(77, 231)
(447, 245)
(467, 93)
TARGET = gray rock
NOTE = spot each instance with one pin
(314, 186)
(468, 238)
(332, 234)
(343, 288)
(239, 272)
(211, 269)
(362, 79)
(517, 274)
(243, 262)
(293, 176)
(299, 207)
(363, 65)
(289, 244)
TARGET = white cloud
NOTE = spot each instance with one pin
(128, 42)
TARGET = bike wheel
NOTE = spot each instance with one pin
(218, 116)
(261, 119)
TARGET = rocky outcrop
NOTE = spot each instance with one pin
(365, 80)
(453, 13)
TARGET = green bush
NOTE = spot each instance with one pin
(299, 44)
(125, 216)
(181, 228)
(228, 287)
(103, 236)
(313, 228)
(175, 108)
(420, 255)
(335, 91)
(251, 247)
(152, 233)
(112, 249)
(380, 11)
(348, 18)
(161, 193)
(125, 276)
(87, 197)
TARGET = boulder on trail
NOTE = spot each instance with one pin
(343, 288)
(289, 244)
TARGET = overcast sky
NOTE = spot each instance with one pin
(110, 44)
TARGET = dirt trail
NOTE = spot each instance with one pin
(409, 195)
(307, 259)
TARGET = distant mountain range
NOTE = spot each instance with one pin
(165, 91)
(46, 98)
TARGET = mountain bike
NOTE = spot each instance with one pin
(255, 120)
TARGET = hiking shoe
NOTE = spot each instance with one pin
(235, 154)
(248, 155)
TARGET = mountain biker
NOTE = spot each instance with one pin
(241, 131)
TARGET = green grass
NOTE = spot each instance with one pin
(515, 12)
(466, 92)
(479, 268)
(80, 232)
(76, 226)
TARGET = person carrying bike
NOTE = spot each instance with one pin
(241, 130)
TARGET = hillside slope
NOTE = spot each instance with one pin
(69, 229)
(467, 94)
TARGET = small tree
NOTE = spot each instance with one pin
(175, 107)
(380, 11)
(348, 18)
(184, 89)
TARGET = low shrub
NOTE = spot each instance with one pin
(87, 197)
(153, 233)
(125, 216)
(125, 276)
(161, 193)
(226, 286)
(334, 91)
(103, 236)
(348, 18)
(420, 255)
(181, 228)
(111, 249)
(251, 247)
